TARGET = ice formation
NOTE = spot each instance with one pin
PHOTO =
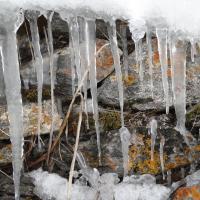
(161, 34)
(134, 187)
(173, 25)
(153, 133)
(125, 140)
(32, 17)
(162, 143)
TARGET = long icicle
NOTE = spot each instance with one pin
(125, 50)
(14, 102)
(74, 31)
(162, 143)
(84, 62)
(150, 58)
(32, 17)
(153, 132)
(51, 51)
(90, 28)
(115, 52)
(179, 80)
(162, 48)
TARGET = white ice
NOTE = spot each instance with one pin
(8, 48)
(125, 140)
(116, 58)
(162, 48)
(153, 132)
(49, 186)
(32, 17)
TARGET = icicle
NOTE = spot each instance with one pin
(162, 143)
(170, 38)
(162, 48)
(73, 70)
(2, 84)
(90, 28)
(125, 50)
(114, 48)
(84, 62)
(169, 177)
(141, 72)
(32, 17)
(150, 59)
(137, 28)
(52, 75)
(14, 98)
(74, 31)
(153, 132)
(125, 140)
(179, 75)
(193, 49)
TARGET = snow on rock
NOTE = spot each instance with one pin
(52, 186)
(141, 187)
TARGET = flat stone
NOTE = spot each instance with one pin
(30, 111)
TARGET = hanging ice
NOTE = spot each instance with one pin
(90, 35)
(161, 34)
(125, 140)
(74, 35)
(32, 17)
(2, 84)
(137, 28)
(114, 48)
(13, 93)
(125, 50)
(179, 64)
(84, 61)
(51, 51)
(150, 58)
(162, 143)
(193, 49)
(153, 132)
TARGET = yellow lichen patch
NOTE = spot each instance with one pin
(46, 119)
(110, 120)
(129, 80)
(140, 158)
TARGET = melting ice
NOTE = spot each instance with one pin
(81, 20)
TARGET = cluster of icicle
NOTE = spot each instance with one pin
(83, 54)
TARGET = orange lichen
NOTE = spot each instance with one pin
(188, 193)
(140, 158)
(129, 80)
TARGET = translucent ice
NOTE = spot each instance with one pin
(138, 28)
(116, 58)
(150, 58)
(162, 143)
(125, 140)
(90, 31)
(162, 48)
(13, 94)
(179, 76)
(124, 46)
(153, 132)
(32, 17)
(52, 74)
